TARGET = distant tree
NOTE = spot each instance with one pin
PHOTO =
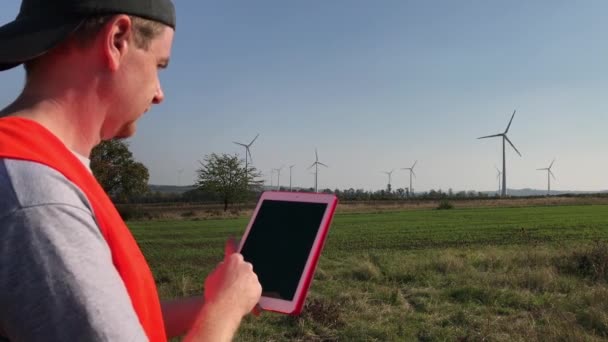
(401, 192)
(119, 174)
(225, 176)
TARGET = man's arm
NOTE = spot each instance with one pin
(232, 291)
(180, 314)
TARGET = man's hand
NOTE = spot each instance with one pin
(232, 290)
(233, 284)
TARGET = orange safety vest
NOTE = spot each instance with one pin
(25, 139)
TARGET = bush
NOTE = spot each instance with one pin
(130, 212)
(190, 213)
(445, 205)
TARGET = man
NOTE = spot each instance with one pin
(69, 268)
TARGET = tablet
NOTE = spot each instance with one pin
(283, 241)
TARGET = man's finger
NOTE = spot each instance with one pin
(231, 247)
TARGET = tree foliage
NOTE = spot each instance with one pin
(119, 174)
(225, 175)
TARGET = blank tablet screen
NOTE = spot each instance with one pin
(279, 242)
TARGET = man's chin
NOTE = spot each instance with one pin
(126, 131)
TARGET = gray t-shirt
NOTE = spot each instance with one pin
(57, 280)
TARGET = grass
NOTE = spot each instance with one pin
(504, 274)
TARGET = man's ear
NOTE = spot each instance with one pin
(117, 35)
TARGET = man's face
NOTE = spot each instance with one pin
(140, 85)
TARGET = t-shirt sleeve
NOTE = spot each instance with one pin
(57, 280)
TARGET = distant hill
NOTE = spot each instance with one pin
(535, 192)
(170, 189)
(526, 192)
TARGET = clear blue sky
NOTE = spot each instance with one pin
(376, 85)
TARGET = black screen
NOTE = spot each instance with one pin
(279, 242)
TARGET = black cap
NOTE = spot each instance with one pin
(42, 24)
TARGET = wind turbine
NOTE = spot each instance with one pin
(549, 173)
(504, 162)
(271, 176)
(498, 177)
(313, 173)
(279, 177)
(290, 167)
(390, 174)
(247, 151)
(316, 165)
(411, 169)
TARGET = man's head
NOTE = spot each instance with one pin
(41, 24)
(113, 46)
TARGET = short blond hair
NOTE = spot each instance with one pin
(144, 31)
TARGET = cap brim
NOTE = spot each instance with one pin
(27, 38)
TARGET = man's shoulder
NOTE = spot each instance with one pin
(28, 184)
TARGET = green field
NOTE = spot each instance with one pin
(506, 274)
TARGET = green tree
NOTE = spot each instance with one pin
(119, 174)
(226, 176)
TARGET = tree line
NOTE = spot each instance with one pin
(226, 179)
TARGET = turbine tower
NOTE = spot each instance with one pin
(411, 169)
(549, 173)
(498, 177)
(504, 162)
(247, 151)
(390, 174)
(271, 178)
(279, 177)
(290, 167)
(316, 165)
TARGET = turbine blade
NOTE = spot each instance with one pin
(313, 164)
(238, 143)
(414, 164)
(251, 143)
(250, 157)
(512, 116)
(322, 164)
(510, 143)
(552, 163)
(551, 173)
(414, 173)
(491, 136)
